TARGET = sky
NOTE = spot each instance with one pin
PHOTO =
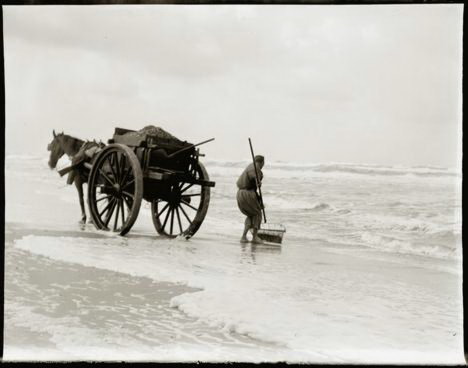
(375, 84)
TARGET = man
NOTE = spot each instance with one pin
(247, 200)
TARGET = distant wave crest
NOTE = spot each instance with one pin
(333, 167)
(393, 244)
(349, 168)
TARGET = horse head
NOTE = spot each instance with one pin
(55, 148)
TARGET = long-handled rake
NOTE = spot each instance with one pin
(272, 233)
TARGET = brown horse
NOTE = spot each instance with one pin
(64, 144)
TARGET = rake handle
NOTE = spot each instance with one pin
(258, 181)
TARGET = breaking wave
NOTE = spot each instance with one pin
(347, 168)
(392, 244)
(220, 167)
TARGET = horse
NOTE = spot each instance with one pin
(73, 147)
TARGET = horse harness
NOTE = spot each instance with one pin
(86, 153)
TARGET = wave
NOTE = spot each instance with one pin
(347, 168)
(387, 171)
(206, 269)
(265, 288)
(402, 223)
(392, 244)
(320, 206)
(331, 167)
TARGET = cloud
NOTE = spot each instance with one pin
(329, 82)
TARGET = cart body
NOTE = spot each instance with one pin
(161, 170)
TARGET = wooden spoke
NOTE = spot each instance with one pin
(165, 220)
(117, 215)
(185, 214)
(130, 182)
(128, 194)
(110, 213)
(102, 198)
(115, 165)
(107, 207)
(109, 158)
(118, 163)
(187, 204)
(122, 211)
(172, 219)
(125, 176)
(128, 202)
(192, 195)
(187, 187)
(121, 166)
(110, 161)
(106, 177)
(164, 208)
(178, 219)
(129, 206)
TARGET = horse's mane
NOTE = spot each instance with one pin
(73, 138)
(72, 142)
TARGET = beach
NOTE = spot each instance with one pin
(370, 271)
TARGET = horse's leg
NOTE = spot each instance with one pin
(90, 220)
(79, 188)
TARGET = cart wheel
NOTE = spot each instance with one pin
(115, 189)
(184, 213)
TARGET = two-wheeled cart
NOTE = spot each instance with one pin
(165, 172)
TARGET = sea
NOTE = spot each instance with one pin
(412, 210)
(369, 271)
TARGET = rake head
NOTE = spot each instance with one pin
(272, 233)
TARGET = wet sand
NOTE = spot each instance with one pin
(56, 310)
(97, 300)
